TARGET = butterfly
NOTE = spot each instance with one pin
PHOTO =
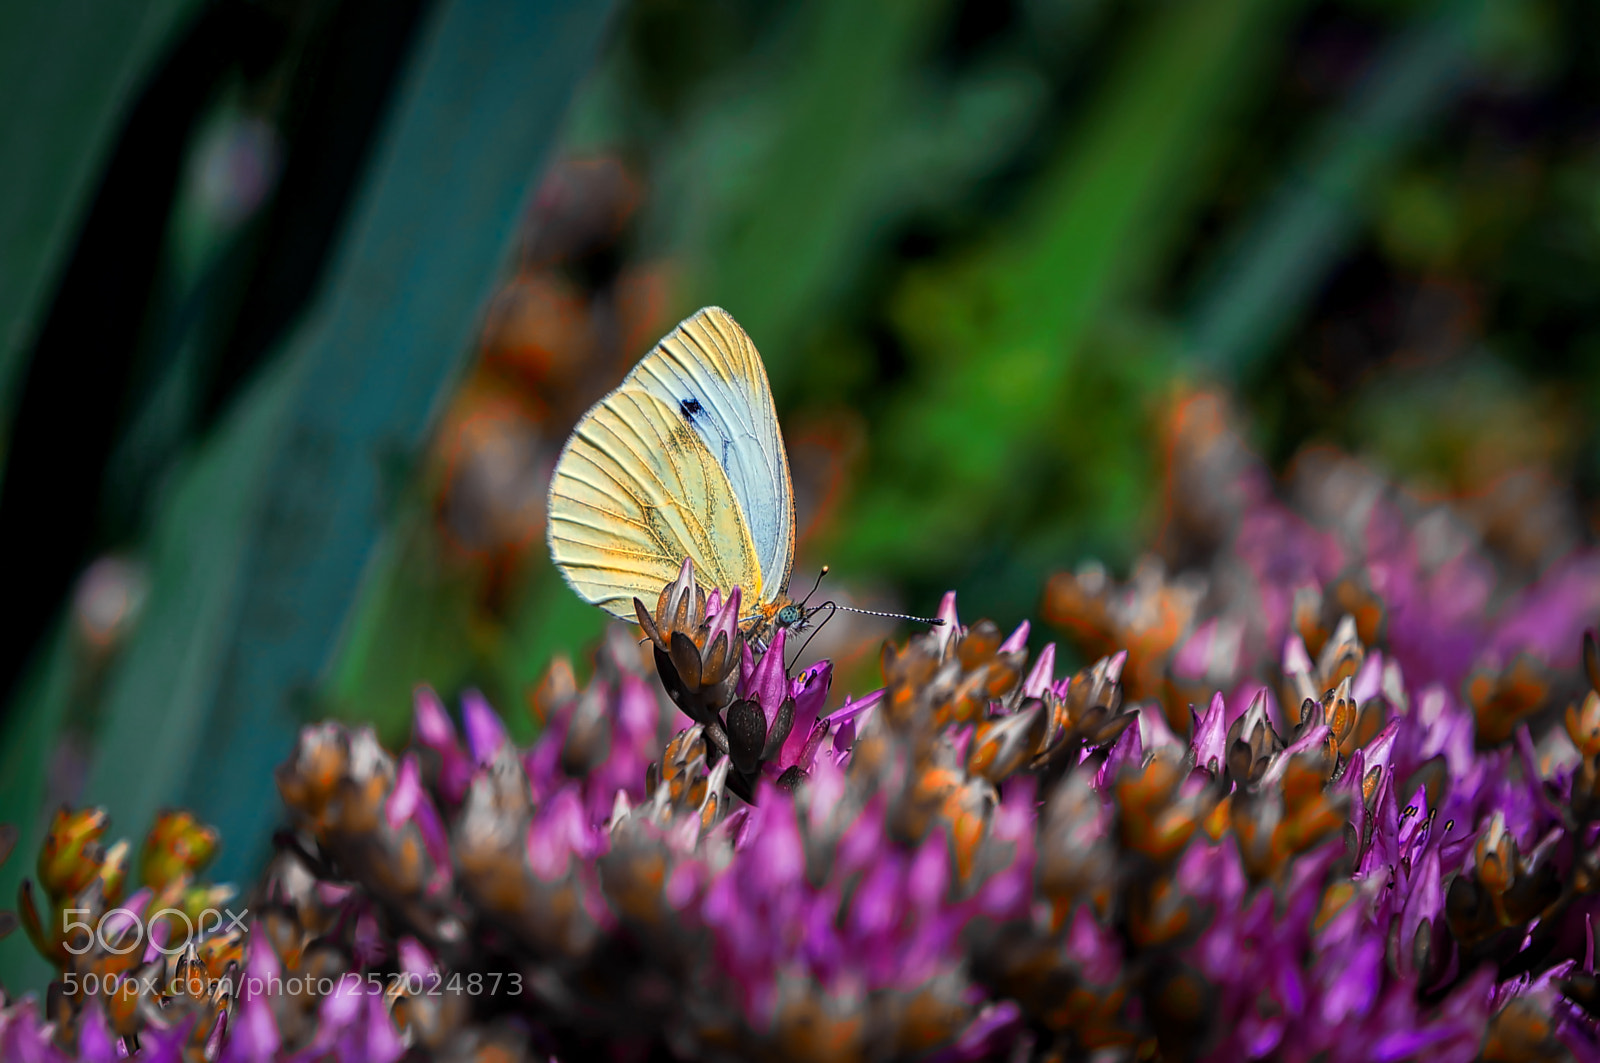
(683, 460)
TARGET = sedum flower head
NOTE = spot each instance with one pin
(1313, 801)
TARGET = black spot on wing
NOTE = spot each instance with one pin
(704, 422)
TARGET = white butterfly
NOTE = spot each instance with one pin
(683, 460)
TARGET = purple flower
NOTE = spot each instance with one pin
(1550, 616)
(809, 690)
(431, 729)
(22, 1037)
(765, 681)
(96, 1042)
(1042, 674)
(724, 618)
(1126, 752)
(1017, 640)
(253, 1032)
(1210, 731)
(409, 802)
(560, 832)
(486, 735)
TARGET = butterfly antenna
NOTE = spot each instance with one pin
(831, 608)
(814, 587)
(930, 621)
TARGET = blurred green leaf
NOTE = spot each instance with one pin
(67, 72)
(419, 622)
(1275, 262)
(167, 681)
(412, 624)
(162, 685)
(360, 380)
(28, 744)
(792, 191)
(552, 620)
(995, 335)
(474, 122)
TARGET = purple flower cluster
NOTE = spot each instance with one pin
(1324, 803)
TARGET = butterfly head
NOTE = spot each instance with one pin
(769, 617)
(788, 613)
(783, 614)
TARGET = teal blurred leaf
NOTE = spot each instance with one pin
(28, 742)
(67, 72)
(168, 679)
(162, 686)
(413, 623)
(359, 381)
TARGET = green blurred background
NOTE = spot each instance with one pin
(299, 299)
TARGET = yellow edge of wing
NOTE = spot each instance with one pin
(634, 492)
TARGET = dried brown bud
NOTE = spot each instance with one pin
(1002, 744)
(1496, 856)
(697, 656)
(1252, 743)
(1501, 700)
(1341, 657)
(1583, 725)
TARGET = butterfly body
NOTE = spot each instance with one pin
(683, 460)
(781, 612)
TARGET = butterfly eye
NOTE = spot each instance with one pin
(788, 616)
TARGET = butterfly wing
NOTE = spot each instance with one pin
(710, 370)
(667, 466)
